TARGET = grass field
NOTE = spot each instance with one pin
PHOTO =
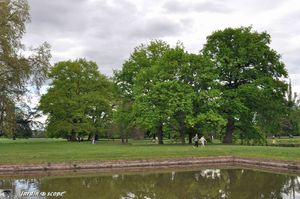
(58, 150)
(285, 140)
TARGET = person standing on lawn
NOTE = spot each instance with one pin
(196, 140)
(202, 140)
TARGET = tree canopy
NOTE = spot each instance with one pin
(78, 101)
(236, 82)
(170, 89)
(250, 77)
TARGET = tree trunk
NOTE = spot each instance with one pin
(126, 136)
(153, 136)
(180, 118)
(90, 137)
(160, 135)
(73, 136)
(181, 132)
(96, 136)
(190, 137)
(229, 130)
(1, 117)
(122, 137)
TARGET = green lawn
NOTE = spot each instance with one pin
(58, 150)
(285, 140)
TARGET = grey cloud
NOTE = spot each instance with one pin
(252, 7)
(61, 17)
(103, 31)
(285, 31)
(295, 82)
(289, 23)
(106, 31)
(112, 45)
(91, 28)
(154, 28)
(264, 5)
(207, 6)
(292, 62)
(55, 15)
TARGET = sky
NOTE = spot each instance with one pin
(106, 31)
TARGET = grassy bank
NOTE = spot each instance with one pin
(56, 150)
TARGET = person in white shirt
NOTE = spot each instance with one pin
(202, 140)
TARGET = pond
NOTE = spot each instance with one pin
(172, 183)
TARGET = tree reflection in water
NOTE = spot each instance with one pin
(206, 183)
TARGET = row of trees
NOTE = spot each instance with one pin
(235, 84)
(233, 88)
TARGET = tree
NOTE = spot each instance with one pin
(17, 71)
(26, 121)
(162, 100)
(165, 105)
(78, 101)
(123, 119)
(250, 76)
(169, 94)
(171, 91)
(144, 56)
(290, 121)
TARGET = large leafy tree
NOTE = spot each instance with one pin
(170, 90)
(78, 101)
(122, 114)
(143, 56)
(17, 71)
(175, 95)
(161, 100)
(164, 105)
(250, 76)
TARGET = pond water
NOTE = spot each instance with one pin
(194, 183)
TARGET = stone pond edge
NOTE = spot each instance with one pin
(163, 162)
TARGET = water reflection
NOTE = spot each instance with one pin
(205, 183)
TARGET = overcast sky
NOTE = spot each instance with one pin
(106, 31)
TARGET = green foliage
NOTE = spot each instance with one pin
(250, 79)
(290, 122)
(26, 121)
(142, 57)
(78, 101)
(168, 89)
(17, 71)
(122, 115)
(162, 103)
